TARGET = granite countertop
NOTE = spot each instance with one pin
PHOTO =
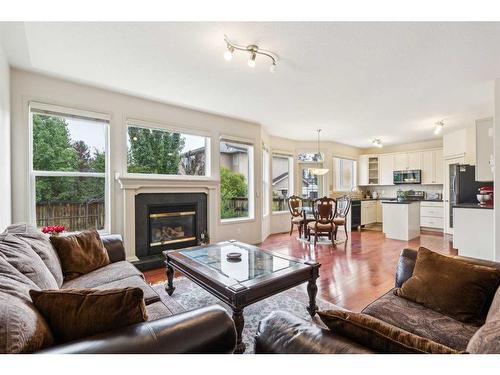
(472, 205)
(400, 202)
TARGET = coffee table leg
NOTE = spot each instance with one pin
(312, 290)
(170, 280)
(239, 322)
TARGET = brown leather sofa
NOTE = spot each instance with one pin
(205, 330)
(282, 332)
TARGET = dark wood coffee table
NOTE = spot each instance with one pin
(258, 275)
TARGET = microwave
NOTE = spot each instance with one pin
(407, 177)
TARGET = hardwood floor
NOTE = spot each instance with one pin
(354, 273)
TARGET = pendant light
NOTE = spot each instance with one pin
(319, 171)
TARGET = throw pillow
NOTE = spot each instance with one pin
(80, 253)
(22, 328)
(73, 314)
(486, 340)
(451, 286)
(20, 255)
(379, 335)
(40, 243)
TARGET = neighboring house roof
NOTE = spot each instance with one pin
(194, 152)
(230, 149)
(280, 178)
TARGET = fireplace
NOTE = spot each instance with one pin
(172, 226)
(166, 221)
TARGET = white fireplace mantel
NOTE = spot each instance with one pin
(134, 185)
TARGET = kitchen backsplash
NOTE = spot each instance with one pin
(391, 191)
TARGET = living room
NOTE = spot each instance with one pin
(249, 187)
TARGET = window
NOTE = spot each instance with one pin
(69, 164)
(265, 182)
(344, 174)
(282, 181)
(309, 157)
(311, 184)
(236, 180)
(161, 152)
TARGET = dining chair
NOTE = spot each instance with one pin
(342, 207)
(324, 211)
(295, 207)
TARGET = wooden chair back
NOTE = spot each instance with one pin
(342, 206)
(295, 205)
(324, 210)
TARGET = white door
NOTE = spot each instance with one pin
(414, 160)
(446, 191)
(400, 162)
(386, 167)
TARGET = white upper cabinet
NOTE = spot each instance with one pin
(414, 160)
(363, 170)
(432, 167)
(386, 167)
(400, 162)
(484, 149)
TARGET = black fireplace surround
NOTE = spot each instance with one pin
(166, 221)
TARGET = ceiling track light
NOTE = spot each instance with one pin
(254, 52)
(439, 127)
(377, 143)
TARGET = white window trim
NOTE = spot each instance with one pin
(291, 176)
(34, 107)
(266, 188)
(136, 123)
(251, 181)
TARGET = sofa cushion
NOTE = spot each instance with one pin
(494, 312)
(451, 286)
(13, 282)
(20, 255)
(73, 314)
(150, 295)
(422, 321)
(379, 335)
(80, 253)
(157, 310)
(22, 328)
(40, 243)
(104, 275)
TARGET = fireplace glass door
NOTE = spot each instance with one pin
(172, 229)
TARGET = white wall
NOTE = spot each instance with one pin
(26, 86)
(5, 156)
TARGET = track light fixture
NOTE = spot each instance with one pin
(439, 127)
(377, 143)
(253, 50)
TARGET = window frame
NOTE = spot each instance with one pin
(40, 108)
(136, 123)
(238, 142)
(291, 176)
(354, 173)
(266, 188)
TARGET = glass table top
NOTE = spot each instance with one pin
(254, 263)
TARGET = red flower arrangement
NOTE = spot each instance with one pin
(53, 229)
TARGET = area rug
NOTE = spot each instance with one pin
(189, 296)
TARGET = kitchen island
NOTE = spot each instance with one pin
(401, 219)
(473, 230)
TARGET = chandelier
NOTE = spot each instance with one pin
(319, 171)
(253, 50)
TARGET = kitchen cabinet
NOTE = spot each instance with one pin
(386, 167)
(408, 161)
(368, 212)
(432, 215)
(400, 162)
(414, 160)
(432, 167)
(363, 170)
(484, 149)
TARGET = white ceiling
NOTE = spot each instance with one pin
(357, 81)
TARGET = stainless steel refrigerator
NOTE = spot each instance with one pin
(463, 186)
